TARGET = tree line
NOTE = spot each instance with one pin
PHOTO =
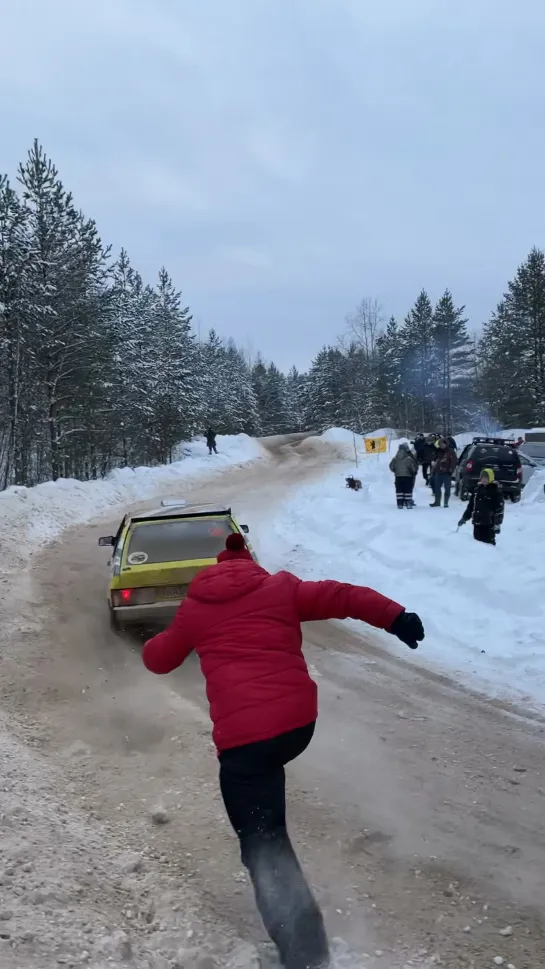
(429, 372)
(101, 369)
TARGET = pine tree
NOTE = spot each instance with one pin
(270, 389)
(391, 401)
(453, 363)
(67, 265)
(15, 386)
(419, 364)
(242, 403)
(512, 350)
(217, 385)
(326, 388)
(525, 311)
(295, 400)
(177, 383)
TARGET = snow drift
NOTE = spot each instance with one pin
(483, 607)
(29, 517)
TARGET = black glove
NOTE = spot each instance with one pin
(462, 521)
(408, 628)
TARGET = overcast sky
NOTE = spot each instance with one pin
(285, 158)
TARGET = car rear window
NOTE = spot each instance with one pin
(496, 455)
(171, 541)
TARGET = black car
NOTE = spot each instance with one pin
(489, 452)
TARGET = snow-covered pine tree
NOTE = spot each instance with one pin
(259, 385)
(217, 385)
(525, 313)
(295, 400)
(15, 385)
(132, 322)
(454, 366)
(504, 376)
(325, 390)
(243, 411)
(67, 266)
(177, 379)
(269, 386)
(389, 382)
(419, 364)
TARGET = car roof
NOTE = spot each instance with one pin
(183, 510)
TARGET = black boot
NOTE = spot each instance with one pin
(286, 904)
(436, 503)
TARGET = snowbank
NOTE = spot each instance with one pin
(483, 607)
(535, 489)
(31, 516)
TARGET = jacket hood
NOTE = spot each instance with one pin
(405, 447)
(488, 472)
(231, 579)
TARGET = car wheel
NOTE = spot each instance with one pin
(464, 492)
(457, 487)
(515, 497)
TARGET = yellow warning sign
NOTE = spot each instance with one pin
(376, 445)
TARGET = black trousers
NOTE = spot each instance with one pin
(484, 533)
(253, 786)
(425, 470)
(404, 491)
(212, 447)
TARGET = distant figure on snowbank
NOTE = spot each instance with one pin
(405, 468)
(485, 508)
(211, 441)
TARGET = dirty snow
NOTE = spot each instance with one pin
(30, 517)
(483, 607)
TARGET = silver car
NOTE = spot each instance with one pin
(528, 467)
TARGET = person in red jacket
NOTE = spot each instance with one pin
(244, 623)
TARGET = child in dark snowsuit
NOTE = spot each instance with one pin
(485, 508)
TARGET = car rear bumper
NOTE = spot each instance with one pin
(154, 613)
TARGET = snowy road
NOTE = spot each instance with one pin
(418, 810)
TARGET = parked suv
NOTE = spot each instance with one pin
(489, 452)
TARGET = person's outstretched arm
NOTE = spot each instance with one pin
(468, 513)
(339, 600)
(168, 650)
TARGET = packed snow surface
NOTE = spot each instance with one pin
(31, 516)
(483, 607)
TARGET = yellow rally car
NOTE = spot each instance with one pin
(157, 554)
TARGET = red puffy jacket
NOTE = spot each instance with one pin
(245, 626)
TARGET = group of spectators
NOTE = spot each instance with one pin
(437, 456)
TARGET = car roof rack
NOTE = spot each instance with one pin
(494, 440)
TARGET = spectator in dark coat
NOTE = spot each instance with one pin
(429, 453)
(405, 468)
(452, 443)
(485, 508)
(443, 469)
(245, 626)
(211, 441)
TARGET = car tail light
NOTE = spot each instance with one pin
(133, 597)
(469, 466)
